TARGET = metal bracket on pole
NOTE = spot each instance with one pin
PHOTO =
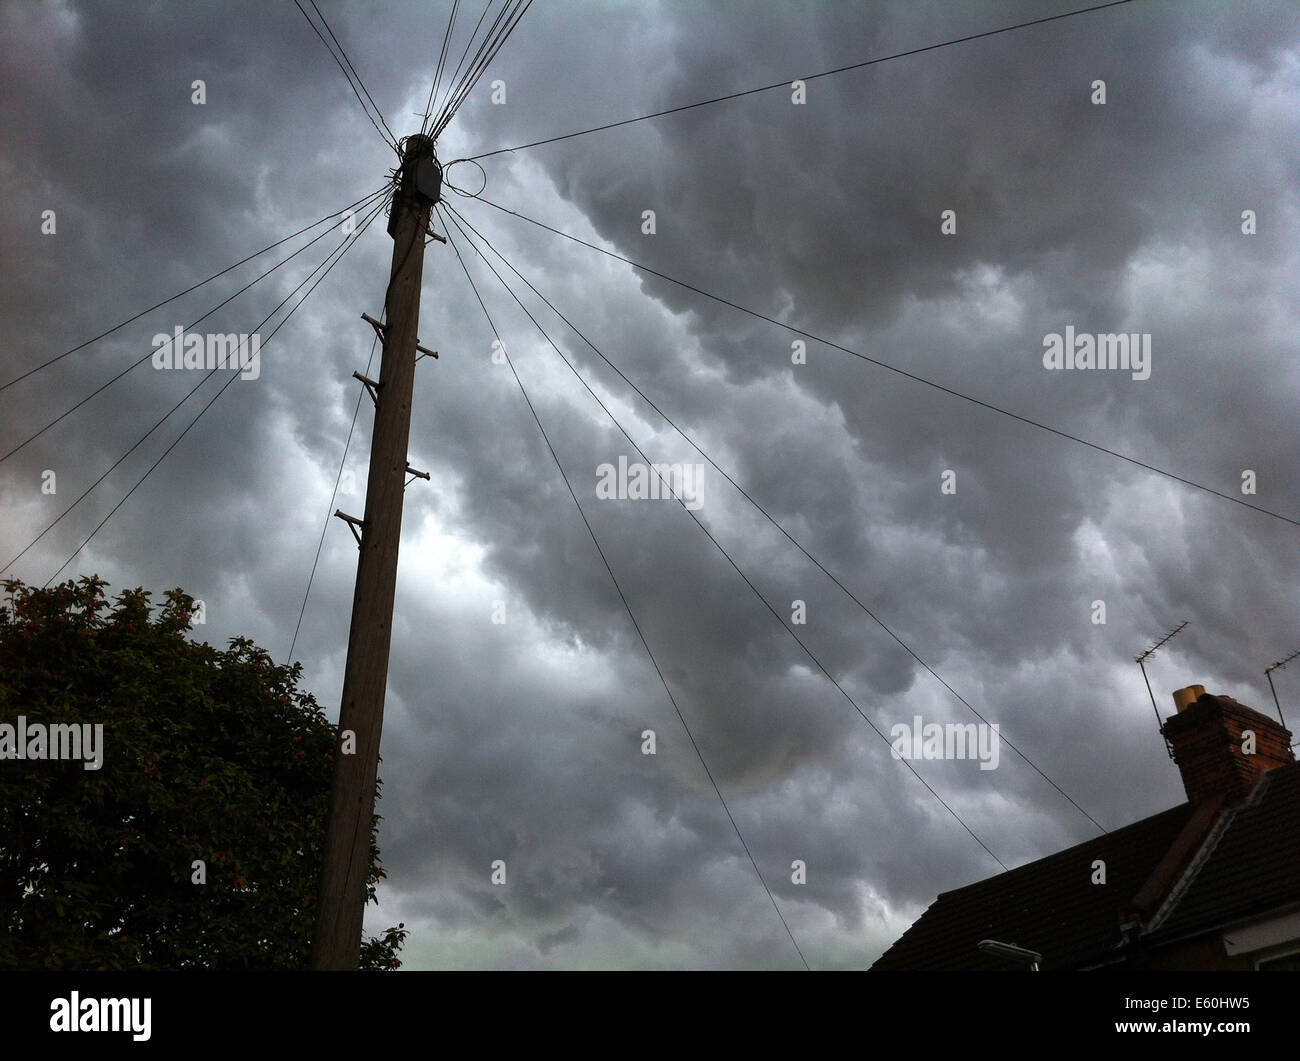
(434, 235)
(415, 474)
(353, 523)
(381, 329)
(371, 386)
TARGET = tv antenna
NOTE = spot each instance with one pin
(1268, 673)
(1141, 662)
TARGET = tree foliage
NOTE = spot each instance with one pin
(209, 757)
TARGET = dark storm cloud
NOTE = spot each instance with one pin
(522, 741)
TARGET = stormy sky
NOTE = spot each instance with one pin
(522, 740)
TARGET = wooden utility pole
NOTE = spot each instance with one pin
(337, 940)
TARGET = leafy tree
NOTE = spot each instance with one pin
(208, 757)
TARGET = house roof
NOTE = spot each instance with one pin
(1253, 867)
(1050, 906)
(1246, 866)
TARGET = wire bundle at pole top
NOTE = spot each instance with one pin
(507, 18)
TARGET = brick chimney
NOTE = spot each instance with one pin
(1210, 738)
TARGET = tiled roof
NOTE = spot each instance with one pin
(1253, 868)
(1050, 906)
